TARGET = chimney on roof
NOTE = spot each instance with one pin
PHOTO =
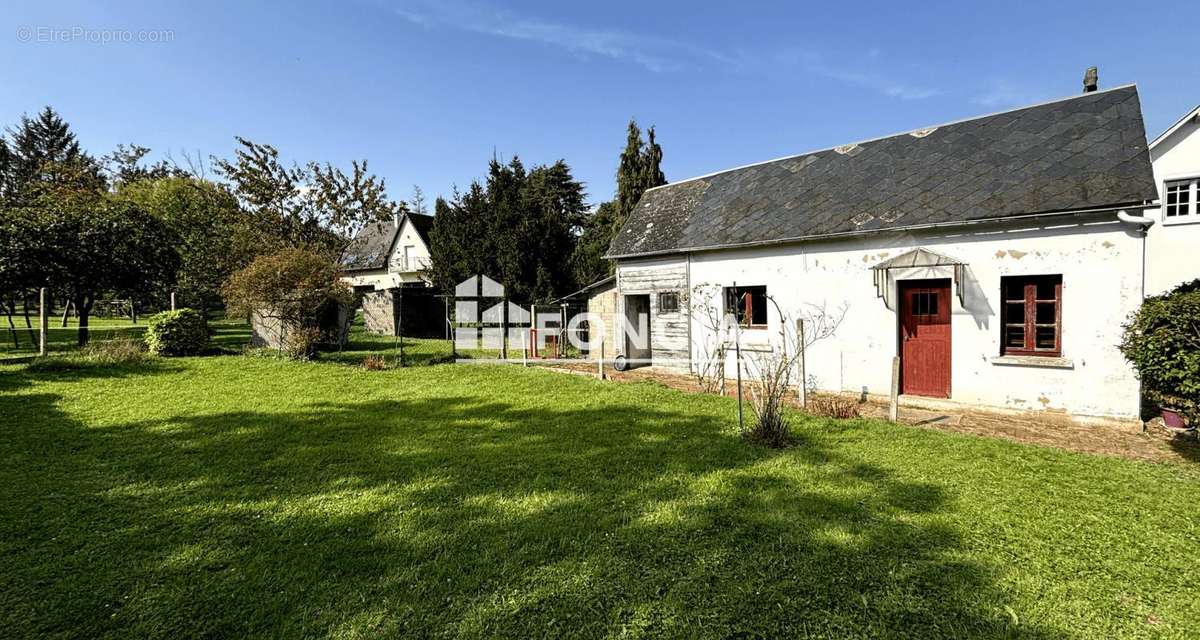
(1091, 80)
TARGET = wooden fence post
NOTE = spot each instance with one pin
(894, 404)
(43, 321)
(172, 301)
(600, 362)
(737, 345)
(803, 386)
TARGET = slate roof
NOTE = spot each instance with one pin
(1078, 153)
(370, 248)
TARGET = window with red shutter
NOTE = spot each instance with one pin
(1032, 312)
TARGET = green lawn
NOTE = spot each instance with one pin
(232, 496)
(227, 333)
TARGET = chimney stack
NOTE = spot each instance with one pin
(1091, 80)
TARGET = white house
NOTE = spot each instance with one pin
(997, 257)
(387, 264)
(1172, 243)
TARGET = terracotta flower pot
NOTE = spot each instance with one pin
(1173, 419)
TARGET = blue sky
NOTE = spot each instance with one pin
(427, 90)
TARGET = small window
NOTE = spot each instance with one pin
(668, 302)
(925, 303)
(1032, 315)
(1181, 199)
(748, 305)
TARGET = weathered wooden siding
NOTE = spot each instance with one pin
(668, 331)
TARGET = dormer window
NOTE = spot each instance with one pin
(1181, 199)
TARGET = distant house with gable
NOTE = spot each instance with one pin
(387, 265)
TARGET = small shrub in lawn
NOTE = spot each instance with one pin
(183, 332)
(374, 363)
(833, 407)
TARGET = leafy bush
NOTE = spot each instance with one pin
(833, 407)
(177, 333)
(1162, 341)
(108, 353)
(292, 294)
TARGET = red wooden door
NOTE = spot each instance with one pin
(925, 337)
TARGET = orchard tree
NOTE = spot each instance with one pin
(214, 235)
(319, 207)
(109, 247)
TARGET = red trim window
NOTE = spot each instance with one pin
(1032, 315)
(748, 305)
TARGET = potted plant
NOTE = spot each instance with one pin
(1174, 412)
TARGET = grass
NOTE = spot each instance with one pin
(234, 496)
(227, 333)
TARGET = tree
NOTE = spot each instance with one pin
(459, 240)
(124, 166)
(417, 204)
(587, 262)
(43, 152)
(520, 227)
(639, 168)
(84, 251)
(555, 208)
(214, 236)
(291, 289)
(312, 206)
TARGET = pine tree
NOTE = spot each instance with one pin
(640, 168)
(629, 175)
(41, 144)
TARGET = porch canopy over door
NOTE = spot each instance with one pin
(918, 258)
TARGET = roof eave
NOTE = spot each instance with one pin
(848, 234)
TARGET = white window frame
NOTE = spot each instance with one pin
(1193, 207)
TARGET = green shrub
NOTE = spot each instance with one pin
(177, 333)
(1162, 341)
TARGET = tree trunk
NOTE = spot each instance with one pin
(12, 328)
(29, 325)
(83, 307)
(66, 313)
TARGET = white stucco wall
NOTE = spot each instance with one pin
(1100, 263)
(1173, 247)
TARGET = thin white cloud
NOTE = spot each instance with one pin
(856, 73)
(654, 54)
(1001, 93)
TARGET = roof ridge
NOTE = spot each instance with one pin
(895, 135)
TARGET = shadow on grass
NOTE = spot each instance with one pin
(467, 517)
(1187, 446)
